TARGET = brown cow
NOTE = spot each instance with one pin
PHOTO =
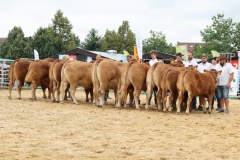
(154, 78)
(105, 75)
(75, 73)
(196, 84)
(135, 75)
(38, 74)
(17, 71)
(55, 78)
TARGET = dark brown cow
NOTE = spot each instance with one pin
(196, 84)
(75, 73)
(135, 75)
(38, 74)
(17, 71)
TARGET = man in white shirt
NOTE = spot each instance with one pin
(190, 60)
(215, 65)
(204, 65)
(151, 63)
(224, 82)
(154, 58)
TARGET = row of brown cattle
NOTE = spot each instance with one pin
(124, 78)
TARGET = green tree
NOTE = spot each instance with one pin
(157, 41)
(109, 41)
(16, 45)
(219, 36)
(43, 42)
(124, 39)
(92, 41)
(64, 39)
(236, 38)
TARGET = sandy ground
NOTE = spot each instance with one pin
(46, 130)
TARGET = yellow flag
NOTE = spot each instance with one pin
(125, 53)
(136, 54)
(215, 53)
(182, 49)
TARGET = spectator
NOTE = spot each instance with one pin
(128, 58)
(204, 65)
(192, 62)
(98, 56)
(215, 65)
(179, 57)
(4, 65)
(224, 82)
(65, 57)
(151, 63)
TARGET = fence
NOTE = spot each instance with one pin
(4, 80)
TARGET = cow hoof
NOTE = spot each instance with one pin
(19, 98)
(204, 112)
(9, 97)
(44, 96)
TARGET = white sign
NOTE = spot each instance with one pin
(36, 55)
(139, 44)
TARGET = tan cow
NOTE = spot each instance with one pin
(196, 84)
(154, 78)
(105, 75)
(38, 74)
(75, 73)
(135, 75)
(55, 78)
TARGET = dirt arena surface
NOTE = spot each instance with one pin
(46, 130)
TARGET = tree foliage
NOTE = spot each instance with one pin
(157, 41)
(92, 41)
(124, 39)
(43, 42)
(64, 39)
(219, 36)
(16, 45)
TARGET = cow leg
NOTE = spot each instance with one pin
(159, 99)
(11, 83)
(210, 98)
(119, 92)
(171, 100)
(189, 101)
(136, 94)
(86, 93)
(44, 91)
(58, 92)
(148, 95)
(202, 102)
(179, 101)
(20, 84)
(33, 92)
(54, 87)
(101, 94)
(164, 98)
(73, 88)
(63, 87)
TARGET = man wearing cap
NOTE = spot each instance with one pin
(179, 57)
(224, 82)
(204, 65)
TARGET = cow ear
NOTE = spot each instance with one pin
(205, 71)
(195, 68)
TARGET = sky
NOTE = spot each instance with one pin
(179, 20)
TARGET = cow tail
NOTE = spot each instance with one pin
(125, 73)
(11, 72)
(62, 71)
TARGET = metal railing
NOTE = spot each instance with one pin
(4, 80)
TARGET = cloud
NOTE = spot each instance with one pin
(178, 20)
